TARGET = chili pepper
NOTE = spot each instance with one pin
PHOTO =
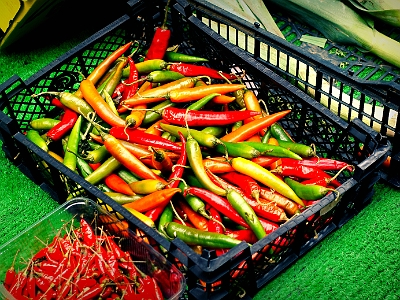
(219, 203)
(90, 292)
(193, 236)
(190, 69)
(72, 145)
(289, 167)
(214, 130)
(106, 168)
(251, 128)
(34, 136)
(113, 81)
(195, 159)
(217, 165)
(11, 274)
(223, 99)
(246, 212)
(140, 137)
(249, 186)
(300, 149)
(266, 136)
(132, 86)
(204, 139)
(96, 101)
(44, 123)
(119, 89)
(97, 155)
(326, 164)
(162, 76)
(237, 149)
(121, 198)
(159, 93)
(64, 126)
(172, 56)
(251, 103)
(167, 215)
(192, 180)
(161, 37)
(147, 186)
(153, 200)
(195, 218)
(202, 118)
(279, 133)
(135, 118)
(272, 150)
(195, 93)
(179, 167)
(286, 204)
(162, 160)
(101, 68)
(127, 159)
(308, 192)
(264, 176)
(127, 176)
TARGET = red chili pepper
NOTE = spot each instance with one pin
(242, 235)
(118, 90)
(192, 70)
(214, 225)
(219, 203)
(89, 237)
(132, 84)
(289, 167)
(11, 274)
(161, 161)
(249, 186)
(140, 137)
(325, 164)
(159, 44)
(177, 170)
(64, 126)
(90, 292)
(181, 116)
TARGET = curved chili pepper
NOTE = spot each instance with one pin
(290, 207)
(326, 164)
(246, 235)
(198, 221)
(64, 126)
(116, 183)
(237, 150)
(217, 165)
(179, 167)
(308, 192)
(279, 133)
(132, 86)
(153, 200)
(202, 118)
(70, 158)
(140, 137)
(189, 69)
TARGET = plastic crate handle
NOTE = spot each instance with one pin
(369, 137)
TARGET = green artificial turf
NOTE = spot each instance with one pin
(358, 261)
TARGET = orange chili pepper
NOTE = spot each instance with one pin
(195, 218)
(217, 165)
(247, 130)
(99, 71)
(96, 101)
(153, 200)
(155, 128)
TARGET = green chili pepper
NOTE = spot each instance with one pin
(83, 167)
(308, 192)
(238, 150)
(154, 114)
(106, 168)
(44, 123)
(199, 104)
(163, 76)
(204, 139)
(195, 202)
(166, 216)
(193, 236)
(236, 125)
(70, 156)
(300, 149)
(181, 57)
(192, 180)
(273, 150)
(122, 198)
(34, 136)
(75, 103)
(266, 136)
(279, 133)
(195, 159)
(147, 66)
(246, 212)
(97, 155)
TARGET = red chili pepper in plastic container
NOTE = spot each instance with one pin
(64, 126)
(180, 116)
(160, 41)
(192, 70)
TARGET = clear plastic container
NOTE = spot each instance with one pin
(170, 280)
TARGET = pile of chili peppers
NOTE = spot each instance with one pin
(186, 148)
(78, 264)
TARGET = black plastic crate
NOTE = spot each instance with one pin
(351, 83)
(207, 276)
